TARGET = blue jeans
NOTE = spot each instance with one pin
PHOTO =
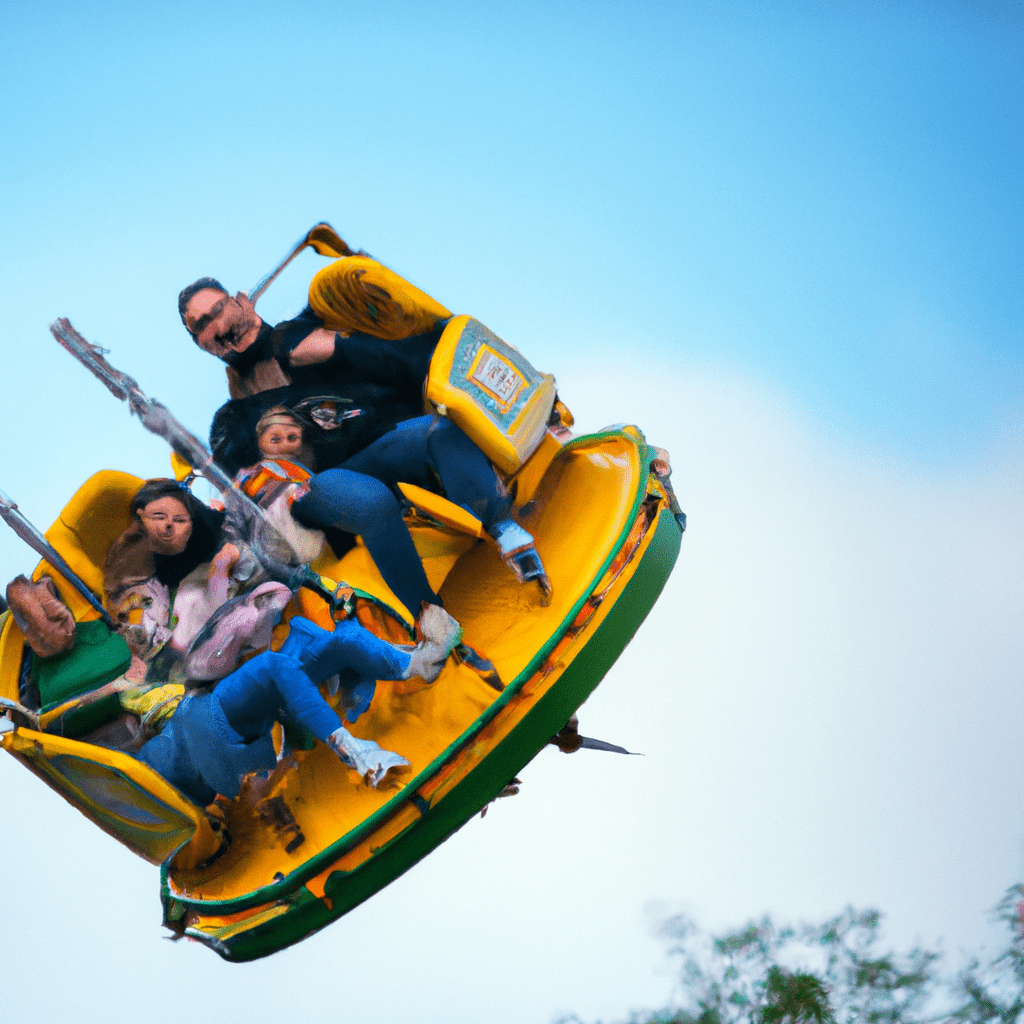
(216, 737)
(361, 496)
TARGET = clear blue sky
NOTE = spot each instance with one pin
(829, 196)
(784, 239)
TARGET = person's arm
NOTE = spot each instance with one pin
(289, 335)
(305, 342)
(316, 347)
(224, 560)
(220, 568)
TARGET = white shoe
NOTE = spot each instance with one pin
(370, 759)
(441, 634)
(520, 554)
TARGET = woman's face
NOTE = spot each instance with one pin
(279, 440)
(167, 524)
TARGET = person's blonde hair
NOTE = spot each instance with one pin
(277, 415)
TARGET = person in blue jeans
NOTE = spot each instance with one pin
(219, 734)
(361, 496)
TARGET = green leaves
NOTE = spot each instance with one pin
(793, 998)
(836, 972)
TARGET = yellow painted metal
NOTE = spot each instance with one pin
(407, 812)
(327, 242)
(181, 468)
(582, 500)
(583, 506)
(122, 795)
(356, 293)
(507, 427)
(447, 513)
(90, 522)
(222, 928)
(525, 482)
(12, 646)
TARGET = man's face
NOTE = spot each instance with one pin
(219, 323)
(167, 524)
(280, 440)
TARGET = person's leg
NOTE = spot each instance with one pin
(361, 504)
(418, 447)
(466, 474)
(323, 653)
(469, 480)
(353, 648)
(419, 450)
(251, 698)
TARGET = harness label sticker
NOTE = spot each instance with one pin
(498, 377)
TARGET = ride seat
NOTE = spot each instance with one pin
(443, 511)
(70, 685)
(89, 523)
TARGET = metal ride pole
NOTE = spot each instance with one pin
(11, 515)
(159, 420)
(324, 239)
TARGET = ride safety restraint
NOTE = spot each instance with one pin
(356, 293)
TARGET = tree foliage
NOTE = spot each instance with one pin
(837, 972)
(993, 992)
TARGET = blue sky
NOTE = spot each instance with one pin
(828, 196)
(784, 239)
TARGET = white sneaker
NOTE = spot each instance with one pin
(441, 634)
(370, 759)
(518, 549)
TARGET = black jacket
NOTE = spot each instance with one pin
(377, 383)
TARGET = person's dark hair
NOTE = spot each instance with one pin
(203, 542)
(196, 286)
(154, 490)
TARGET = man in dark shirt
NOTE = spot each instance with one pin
(304, 351)
(378, 381)
(375, 383)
